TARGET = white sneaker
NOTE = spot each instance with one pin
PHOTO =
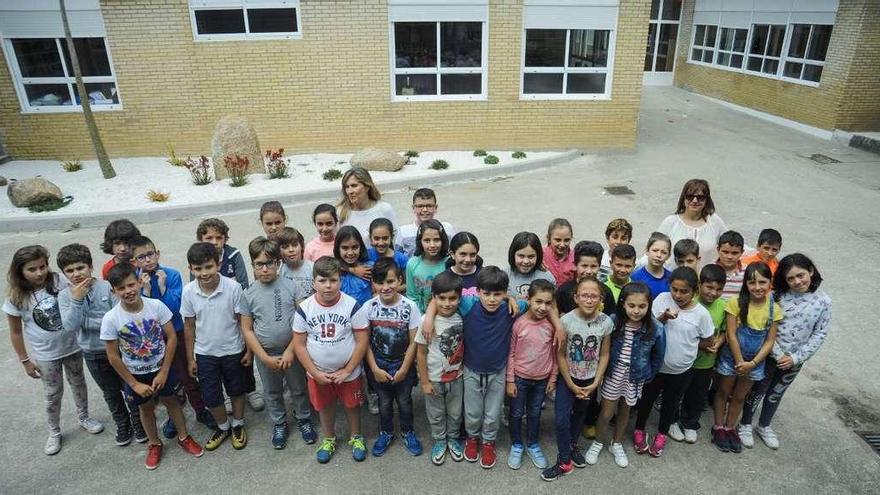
(592, 455)
(745, 436)
(373, 403)
(675, 432)
(768, 436)
(53, 444)
(619, 455)
(255, 399)
(690, 436)
(91, 425)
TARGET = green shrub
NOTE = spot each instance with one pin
(490, 160)
(173, 159)
(332, 174)
(50, 204)
(519, 154)
(411, 154)
(71, 165)
(480, 153)
(439, 165)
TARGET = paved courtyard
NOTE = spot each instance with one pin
(761, 175)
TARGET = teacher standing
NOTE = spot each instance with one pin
(361, 203)
(695, 219)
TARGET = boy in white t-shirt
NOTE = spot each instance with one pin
(216, 354)
(137, 335)
(330, 340)
(424, 208)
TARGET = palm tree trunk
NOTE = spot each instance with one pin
(101, 153)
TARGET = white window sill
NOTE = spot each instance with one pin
(582, 97)
(437, 98)
(247, 37)
(69, 109)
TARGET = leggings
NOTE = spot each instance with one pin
(51, 374)
(672, 387)
(768, 393)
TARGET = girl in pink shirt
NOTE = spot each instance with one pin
(558, 255)
(325, 221)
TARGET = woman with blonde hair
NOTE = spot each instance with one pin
(361, 202)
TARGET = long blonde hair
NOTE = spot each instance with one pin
(362, 176)
(19, 287)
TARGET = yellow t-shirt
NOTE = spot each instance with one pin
(758, 314)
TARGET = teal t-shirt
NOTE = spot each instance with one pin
(704, 359)
(420, 274)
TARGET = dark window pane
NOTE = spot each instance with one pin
(99, 93)
(792, 69)
(723, 58)
(777, 37)
(671, 10)
(711, 32)
(819, 42)
(726, 39)
(416, 84)
(755, 64)
(655, 9)
(812, 72)
(272, 20)
(759, 39)
(92, 56)
(47, 95)
(696, 55)
(38, 57)
(666, 47)
(588, 48)
(586, 83)
(798, 44)
(739, 40)
(707, 56)
(542, 83)
(770, 66)
(220, 21)
(700, 35)
(461, 84)
(545, 48)
(649, 53)
(415, 44)
(736, 61)
(461, 44)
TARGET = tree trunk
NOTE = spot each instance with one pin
(101, 153)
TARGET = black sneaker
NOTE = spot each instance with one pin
(577, 458)
(553, 472)
(204, 417)
(123, 435)
(719, 438)
(140, 436)
(736, 445)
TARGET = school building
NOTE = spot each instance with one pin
(338, 75)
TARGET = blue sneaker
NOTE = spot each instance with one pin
(279, 436)
(438, 452)
(168, 429)
(382, 443)
(537, 456)
(413, 445)
(204, 417)
(358, 448)
(309, 435)
(514, 458)
(325, 451)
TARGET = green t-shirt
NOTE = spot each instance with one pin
(704, 359)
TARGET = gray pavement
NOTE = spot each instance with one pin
(761, 175)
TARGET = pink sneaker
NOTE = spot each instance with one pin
(656, 449)
(640, 441)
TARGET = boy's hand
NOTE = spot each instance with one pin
(142, 389)
(512, 306)
(427, 330)
(193, 369)
(247, 359)
(785, 362)
(287, 359)
(145, 280)
(716, 343)
(271, 362)
(668, 314)
(511, 389)
(399, 376)
(160, 280)
(338, 376)
(32, 369)
(159, 381)
(382, 376)
(80, 290)
(323, 378)
(363, 271)
(427, 388)
(551, 387)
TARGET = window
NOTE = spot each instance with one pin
(662, 35)
(44, 75)
(439, 60)
(766, 48)
(572, 63)
(236, 21)
(732, 47)
(704, 43)
(806, 51)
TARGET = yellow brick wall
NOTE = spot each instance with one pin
(329, 91)
(849, 90)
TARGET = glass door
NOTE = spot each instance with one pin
(662, 38)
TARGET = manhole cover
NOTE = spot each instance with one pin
(823, 159)
(618, 190)
(872, 438)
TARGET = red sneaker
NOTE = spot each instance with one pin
(191, 446)
(471, 449)
(154, 456)
(487, 457)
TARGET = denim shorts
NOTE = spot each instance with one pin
(750, 342)
(217, 373)
(172, 384)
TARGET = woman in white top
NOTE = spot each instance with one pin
(361, 202)
(695, 219)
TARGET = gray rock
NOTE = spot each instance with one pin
(235, 136)
(27, 192)
(2, 181)
(378, 160)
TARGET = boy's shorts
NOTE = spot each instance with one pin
(172, 385)
(349, 393)
(217, 373)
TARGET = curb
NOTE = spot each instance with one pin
(217, 208)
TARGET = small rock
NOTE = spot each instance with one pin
(235, 136)
(27, 192)
(378, 160)
(3, 181)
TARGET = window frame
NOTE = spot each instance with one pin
(439, 70)
(704, 47)
(763, 56)
(732, 52)
(246, 35)
(803, 61)
(19, 81)
(565, 70)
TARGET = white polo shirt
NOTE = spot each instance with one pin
(218, 332)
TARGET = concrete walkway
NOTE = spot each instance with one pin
(762, 176)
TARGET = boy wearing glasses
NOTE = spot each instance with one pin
(165, 284)
(267, 309)
(424, 208)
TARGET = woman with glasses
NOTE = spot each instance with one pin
(695, 219)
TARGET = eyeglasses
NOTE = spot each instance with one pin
(589, 297)
(424, 207)
(699, 198)
(259, 265)
(146, 256)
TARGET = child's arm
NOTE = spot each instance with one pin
(510, 377)
(428, 321)
(817, 338)
(408, 358)
(112, 348)
(409, 282)
(379, 374)
(362, 270)
(762, 353)
(299, 346)
(250, 339)
(241, 275)
(170, 347)
(72, 310)
(658, 352)
(173, 290)
(362, 343)
(562, 363)
(189, 336)
(732, 340)
(422, 363)
(17, 338)
(288, 357)
(604, 357)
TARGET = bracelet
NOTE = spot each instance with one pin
(25, 360)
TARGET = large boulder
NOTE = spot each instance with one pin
(235, 136)
(28, 192)
(378, 160)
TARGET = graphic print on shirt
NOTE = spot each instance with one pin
(141, 341)
(583, 355)
(47, 315)
(389, 329)
(522, 292)
(325, 325)
(451, 346)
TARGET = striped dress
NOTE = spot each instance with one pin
(617, 385)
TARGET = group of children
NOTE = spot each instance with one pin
(331, 320)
